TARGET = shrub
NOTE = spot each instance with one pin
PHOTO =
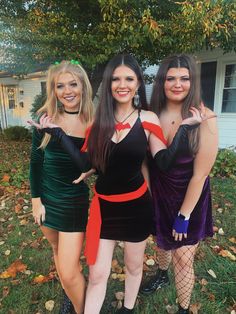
(38, 103)
(225, 164)
(16, 133)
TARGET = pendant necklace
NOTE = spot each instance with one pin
(120, 124)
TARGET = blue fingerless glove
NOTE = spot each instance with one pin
(181, 224)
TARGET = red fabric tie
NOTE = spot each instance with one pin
(94, 222)
(87, 132)
(155, 129)
(120, 126)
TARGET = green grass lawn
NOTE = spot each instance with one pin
(22, 241)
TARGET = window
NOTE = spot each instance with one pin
(208, 81)
(43, 88)
(11, 95)
(229, 89)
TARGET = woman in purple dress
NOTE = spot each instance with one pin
(181, 190)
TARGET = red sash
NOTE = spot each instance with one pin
(87, 132)
(155, 129)
(94, 222)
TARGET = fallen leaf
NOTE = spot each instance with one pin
(43, 279)
(221, 231)
(7, 252)
(232, 248)
(5, 178)
(220, 210)
(20, 200)
(211, 273)
(150, 262)
(171, 309)
(194, 308)
(226, 253)
(211, 297)
(13, 269)
(24, 222)
(18, 208)
(5, 291)
(203, 282)
(119, 295)
(233, 240)
(49, 305)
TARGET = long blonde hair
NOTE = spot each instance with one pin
(50, 107)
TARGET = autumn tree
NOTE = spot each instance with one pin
(43, 31)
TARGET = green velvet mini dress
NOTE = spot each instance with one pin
(51, 175)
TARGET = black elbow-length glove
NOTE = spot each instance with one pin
(79, 158)
(166, 157)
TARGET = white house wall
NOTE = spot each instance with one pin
(30, 88)
(226, 121)
(26, 90)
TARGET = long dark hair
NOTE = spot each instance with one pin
(104, 125)
(193, 99)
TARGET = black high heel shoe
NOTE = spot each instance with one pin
(156, 282)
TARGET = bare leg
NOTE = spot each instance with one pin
(98, 276)
(69, 250)
(133, 257)
(53, 237)
(183, 258)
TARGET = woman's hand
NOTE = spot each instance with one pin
(180, 227)
(84, 176)
(198, 116)
(44, 122)
(38, 211)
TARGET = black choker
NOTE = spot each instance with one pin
(71, 112)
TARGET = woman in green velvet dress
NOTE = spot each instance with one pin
(59, 206)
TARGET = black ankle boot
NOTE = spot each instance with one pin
(66, 305)
(183, 311)
(124, 310)
(156, 282)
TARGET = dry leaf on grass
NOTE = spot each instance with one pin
(120, 295)
(211, 273)
(43, 279)
(232, 248)
(221, 231)
(18, 208)
(226, 253)
(5, 178)
(233, 240)
(49, 305)
(13, 269)
(150, 262)
(171, 309)
(194, 308)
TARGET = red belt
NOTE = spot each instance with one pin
(94, 222)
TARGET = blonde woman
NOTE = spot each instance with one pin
(60, 207)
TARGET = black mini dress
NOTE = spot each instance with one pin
(130, 221)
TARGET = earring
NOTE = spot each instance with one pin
(136, 100)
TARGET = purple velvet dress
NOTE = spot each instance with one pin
(168, 191)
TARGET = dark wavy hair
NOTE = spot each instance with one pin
(103, 127)
(193, 99)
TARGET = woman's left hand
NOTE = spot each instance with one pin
(44, 122)
(178, 236)
(180, 227)
(198, 116)
(84, 176)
